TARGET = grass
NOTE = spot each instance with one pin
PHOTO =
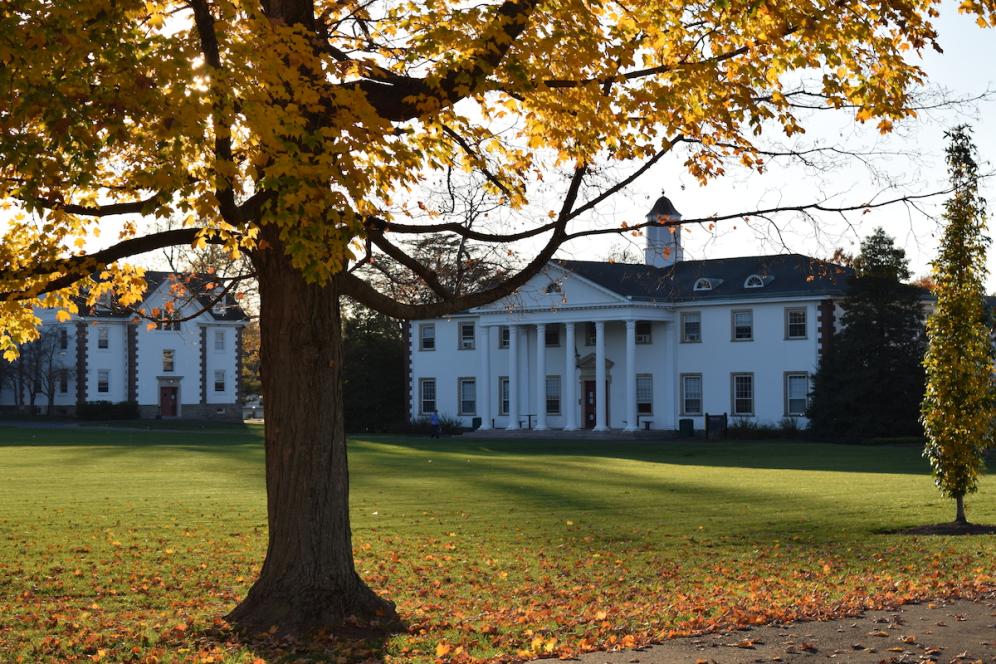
(129, 545)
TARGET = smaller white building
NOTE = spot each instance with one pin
(594, 345)
(187, 365)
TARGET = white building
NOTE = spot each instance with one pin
(592, 345)
(186, 366)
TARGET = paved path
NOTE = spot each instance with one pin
(958, 632)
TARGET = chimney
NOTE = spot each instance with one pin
(663, 242)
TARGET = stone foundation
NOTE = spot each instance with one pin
(197, 411)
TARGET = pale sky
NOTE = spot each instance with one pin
(965, 70)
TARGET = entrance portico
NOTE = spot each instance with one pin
(551, 383)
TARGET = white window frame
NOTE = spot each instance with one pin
(649, 402)
(552, 394)
(219, 341)
(220, 374)
(464, 342)
(733, 324)
(422, 382)
(734, 397)
(423, 337)
(461, 402)
(169, 360)
(551, 331)
(103, 378)
(504, 336)
(646, 337)
(685, 338)
(789, 375)
(684, 394)
(754, 281)
(788, 323)
(103, 338)
(504, 395)
(702, 284)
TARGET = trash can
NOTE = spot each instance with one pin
(686, 427)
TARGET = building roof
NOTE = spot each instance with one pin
(663, 208)
(199, 288)
(782, 275)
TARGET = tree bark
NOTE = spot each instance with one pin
(308, 582)
(960, 510)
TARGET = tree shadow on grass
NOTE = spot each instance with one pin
(950, 528)
(759, 454)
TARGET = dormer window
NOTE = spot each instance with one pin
(106, 299)
(220, 306)
(754, 281)
(702, 284)
(554, 287)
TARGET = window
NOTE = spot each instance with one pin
(427, 337)
(106, 299)
(63, 382)
(743, 325)
(691, 394)
(219, 380)
(168, 357)
(504, 334)
(220, 307)
(466, 336)
(467, 389)
(691, 327)
(644, 332)
(796, 393)
(168, 323)
(427, 395)
(102, 338)
(554, 287)
(754, 281)
(589, 334)
(795, 323)
(702, 285)
(553, 395)
(552, 336)
(63, 338)
(743, 394)
(644, 394)
(219, 340)
(104, 381)
(503, 395)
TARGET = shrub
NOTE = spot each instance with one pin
(449, 426)
(106, 410)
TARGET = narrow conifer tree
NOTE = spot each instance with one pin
(957, 406)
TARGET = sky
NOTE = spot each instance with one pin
(912, 157)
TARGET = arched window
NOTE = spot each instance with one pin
(554, 287)
(754, 281)
(702, 284)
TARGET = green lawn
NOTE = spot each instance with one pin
(128, 545)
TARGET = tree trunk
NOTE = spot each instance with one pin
(308, 581)
(960, 510)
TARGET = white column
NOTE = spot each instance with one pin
(484, 389)
(569, 406)
(513, 377)
(541, 377)
(631, 424)
(600, 424)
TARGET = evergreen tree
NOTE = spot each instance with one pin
(957, 408)
(871, 381)
(373, 371)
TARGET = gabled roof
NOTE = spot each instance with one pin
(196, 288)
(786, 275)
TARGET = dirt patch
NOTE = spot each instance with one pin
(958, 631)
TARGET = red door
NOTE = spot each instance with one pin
(167, 401)
(589, 404)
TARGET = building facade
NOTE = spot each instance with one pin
(591, 345)
(187, 365)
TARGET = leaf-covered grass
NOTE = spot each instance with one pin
(129, 546)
